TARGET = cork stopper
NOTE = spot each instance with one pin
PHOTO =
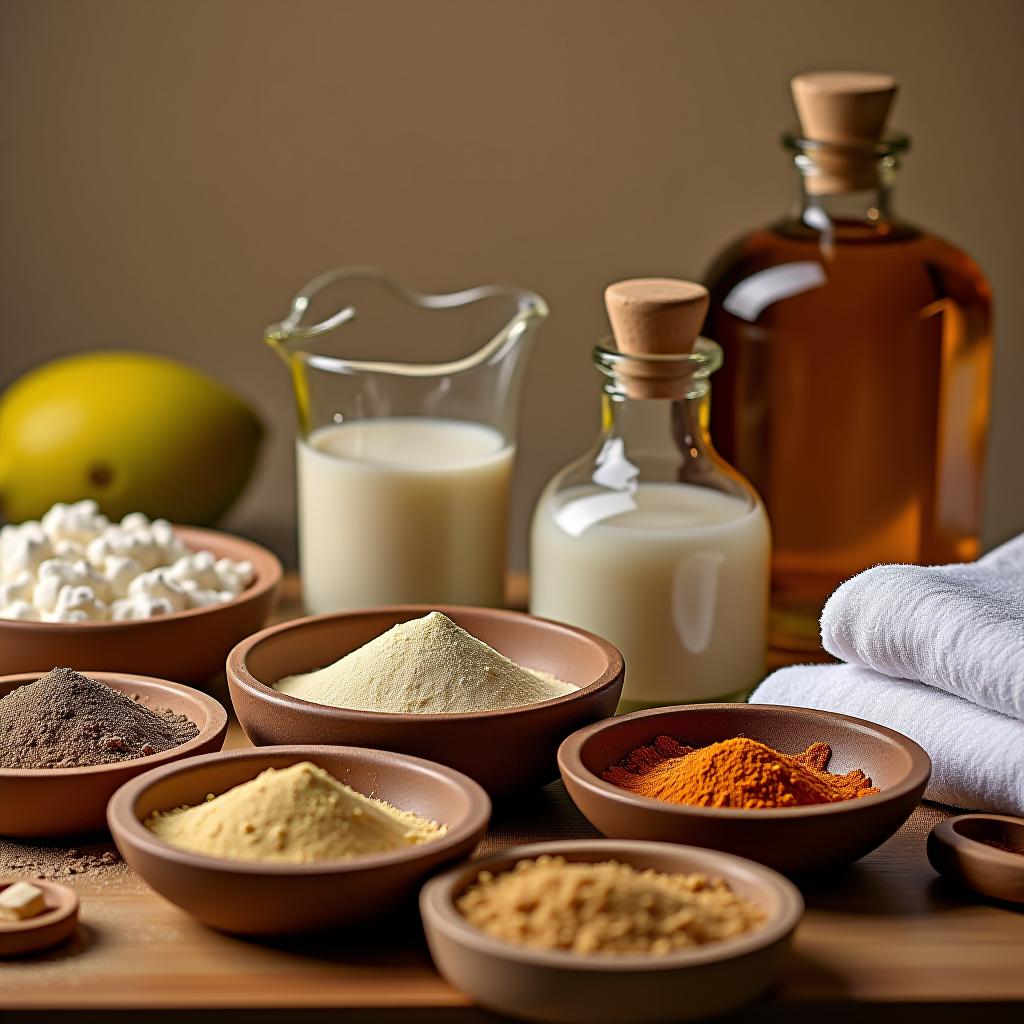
(655, 317)
(843, 108)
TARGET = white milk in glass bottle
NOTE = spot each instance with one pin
(651, 540)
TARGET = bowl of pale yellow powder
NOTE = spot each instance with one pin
(491, 693)
(290, 839)
(610, 931)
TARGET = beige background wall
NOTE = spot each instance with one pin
(172, 171)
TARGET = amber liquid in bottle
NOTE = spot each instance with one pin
(854, 394)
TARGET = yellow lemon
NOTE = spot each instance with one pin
(136, 432)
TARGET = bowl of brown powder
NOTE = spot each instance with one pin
(488, 692)
(610, 931)
(794, 788)
(68, 740)
(280, 840)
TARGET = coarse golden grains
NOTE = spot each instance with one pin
(605, 907)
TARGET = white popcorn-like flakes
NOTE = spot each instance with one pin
(198, 568)
(54, 575)
(18, 588)
(140, 607)
(234, 576)
(79, 522)
(171, 547)
(78, 604)
(26, 611)
(138, 544)
(75, 566)
(157, 584)
(25, 548)
(69, 550)
(199, 598)
(119, 571)
(135, 521)
(71, 615)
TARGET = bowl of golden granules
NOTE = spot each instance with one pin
(609, 931)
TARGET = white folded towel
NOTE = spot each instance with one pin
(977, 755)
(957, 627)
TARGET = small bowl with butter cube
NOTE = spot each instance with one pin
(35, 915)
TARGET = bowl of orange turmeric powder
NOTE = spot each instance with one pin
(794, 788)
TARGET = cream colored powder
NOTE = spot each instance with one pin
(297, 814)
(605, 907)
(428, 666)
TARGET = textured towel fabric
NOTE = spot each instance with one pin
(957, 627)
(977, 755)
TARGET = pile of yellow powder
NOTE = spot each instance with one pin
(606, 907)
(297, 814)
(427, 666)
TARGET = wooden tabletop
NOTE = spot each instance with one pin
(885, 939)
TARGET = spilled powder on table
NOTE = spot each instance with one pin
(297, 814)
(93, 861)
(426, 666)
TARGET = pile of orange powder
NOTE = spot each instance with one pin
(738, 773)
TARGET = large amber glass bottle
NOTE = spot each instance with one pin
(855, 388)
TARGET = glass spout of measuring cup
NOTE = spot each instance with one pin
(403, 468)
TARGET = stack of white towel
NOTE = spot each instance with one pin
(936, 652)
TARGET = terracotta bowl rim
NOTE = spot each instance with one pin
(570, 764)
(66, 899)
(124, 823)
(947, 833)
(239, 675)
(216, 724)
(267, 566)
(437, 902)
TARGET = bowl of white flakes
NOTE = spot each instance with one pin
(138, 595)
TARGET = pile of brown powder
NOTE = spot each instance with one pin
(66, 720)
(605, 907)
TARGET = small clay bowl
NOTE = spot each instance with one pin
(189, 646)
(794, 839)
(505, 751)
(633, 989)
(261, 898)
(55, 924)
(961, 848)
(37, 802)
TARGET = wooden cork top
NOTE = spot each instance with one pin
(655, 316)
(843, 108)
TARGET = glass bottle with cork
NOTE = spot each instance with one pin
(651, 539)
(855, 393)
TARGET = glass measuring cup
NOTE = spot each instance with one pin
(403, 468)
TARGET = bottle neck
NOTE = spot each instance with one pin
(673, 427)
(657, 406)
(660, 439)
(871, 207)
(845, 184)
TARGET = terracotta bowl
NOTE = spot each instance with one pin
(72, 801)
(260, 898)
(795, 839)
(635, 989)
(961, 848)
(189, 646)
(504, 751)
(57, 923)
